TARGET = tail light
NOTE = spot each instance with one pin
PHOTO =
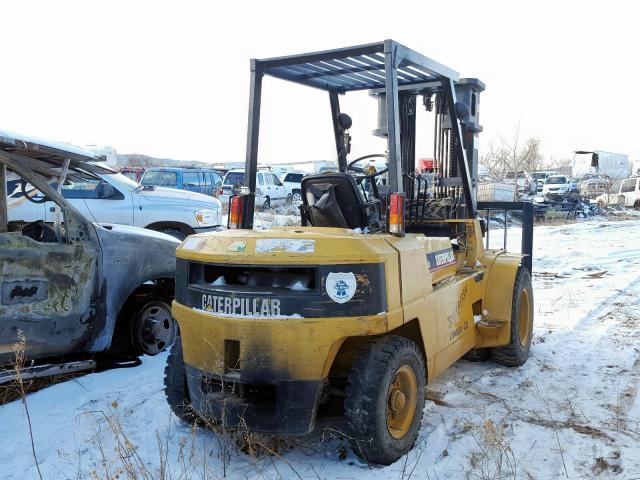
(236, 211)
(396, 214)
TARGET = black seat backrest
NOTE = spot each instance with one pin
(334, 200)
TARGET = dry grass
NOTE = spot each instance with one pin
(20, 389)
(491, 457)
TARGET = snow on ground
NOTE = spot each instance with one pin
(573, 411)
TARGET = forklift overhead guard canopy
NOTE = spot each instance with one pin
(356, 68)
(395, 75)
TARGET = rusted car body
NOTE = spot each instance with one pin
(76, 286)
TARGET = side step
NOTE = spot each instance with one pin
(489, 328)
(47, 370)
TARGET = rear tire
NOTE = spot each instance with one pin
(477, 355)
(636, 205)
(175, 386)
(267, 204)
(384, 399)
(516, 352)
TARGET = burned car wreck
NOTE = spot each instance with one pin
(75, 289)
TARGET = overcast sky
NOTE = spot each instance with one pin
(171, 79)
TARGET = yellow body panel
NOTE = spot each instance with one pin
(296, 348)
(442, 301)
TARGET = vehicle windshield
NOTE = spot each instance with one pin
(233, 178)
(123, 181)
(556, 180)
(538, 176)
(293, 177)
(160, 178)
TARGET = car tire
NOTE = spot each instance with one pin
(267, 203)
(636, 205)
(297, 197)
(384, 399)
(176, 388)
(516, 352)
(174, 232)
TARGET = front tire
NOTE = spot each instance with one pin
(384, 399)
(516, 352)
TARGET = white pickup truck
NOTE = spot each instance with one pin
(106, 196)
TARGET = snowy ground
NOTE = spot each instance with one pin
(573, 411)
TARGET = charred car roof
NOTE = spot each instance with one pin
(47, 157)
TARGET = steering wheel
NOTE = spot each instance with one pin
(352, 168)
(30, 195)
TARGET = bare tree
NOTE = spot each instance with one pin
(512, 156)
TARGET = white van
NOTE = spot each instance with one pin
(269, 188)
(623, 192)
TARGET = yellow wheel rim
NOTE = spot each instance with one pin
(401, 401)
(524, 318)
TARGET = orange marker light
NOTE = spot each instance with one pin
(236, 209)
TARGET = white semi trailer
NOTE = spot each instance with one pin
(613, 165)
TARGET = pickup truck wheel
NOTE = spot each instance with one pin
(296, 197)
(154, 329)
(516, 352)
(384, 399)
(175, 386)
(174, 232)
(267, 203)
(637, 205)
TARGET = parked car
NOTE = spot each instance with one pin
(200, 180)
(523, 181)
(291, 182)
(623, 192)
(592, 185)
(70, 285)
(540, 177)
(556, 187)
(269, 189)
(574, 185)
(107, 196)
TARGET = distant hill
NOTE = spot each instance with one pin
(145, 161)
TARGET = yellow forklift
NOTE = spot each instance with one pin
(382, 287)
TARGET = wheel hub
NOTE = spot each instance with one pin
(401, 401)
(157, 329)
(398, 400)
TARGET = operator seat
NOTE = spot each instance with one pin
(334, 200)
